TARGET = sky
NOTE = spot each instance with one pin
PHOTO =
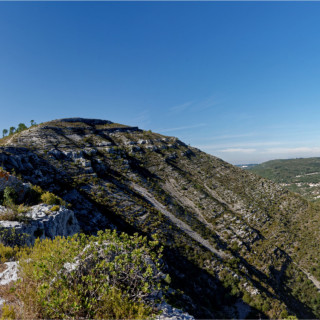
(239, 80)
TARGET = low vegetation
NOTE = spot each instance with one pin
(111, 276)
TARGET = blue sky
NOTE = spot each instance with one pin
(239, 80)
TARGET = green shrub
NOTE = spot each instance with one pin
(7, 253)
(21, 209)
(10, 196)
(7, 312)
(55, 208)
(33, 195)
(114, 276)
(51, 199)
(9, 237)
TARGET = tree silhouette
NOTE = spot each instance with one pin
(21, 127)
(12, 130)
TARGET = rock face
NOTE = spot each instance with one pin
(44, 223)
(231, 238)
(8, 180)
(91, 122)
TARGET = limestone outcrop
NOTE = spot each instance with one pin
(42, 222)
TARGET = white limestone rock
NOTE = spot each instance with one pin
(171, 313)
(9, 274)
(74, 155)
(104, 144)
(45, 223)
(90, 151)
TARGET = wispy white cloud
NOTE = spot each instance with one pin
(240, 145)
(181, 107)
(297, 150)
(194, 106)
(182, 128)
(205, 104)
(231, 136)
(141, 119)
(238, 150)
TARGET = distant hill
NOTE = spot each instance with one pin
(299, 175)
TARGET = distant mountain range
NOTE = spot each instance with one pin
(236, 245)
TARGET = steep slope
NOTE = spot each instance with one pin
(298, 175)
(236, 245)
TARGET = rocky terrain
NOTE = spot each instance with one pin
(235, 245)
(41, 222)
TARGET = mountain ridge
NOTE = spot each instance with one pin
(232, 234)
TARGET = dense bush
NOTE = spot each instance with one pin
(50, 198)
(105, 276)
(7, 253)
(9, 237)
(33, 195)
(10, 196)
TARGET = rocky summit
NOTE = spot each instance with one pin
(235, 245)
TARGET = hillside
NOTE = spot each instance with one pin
(235, 245)
(298, 175)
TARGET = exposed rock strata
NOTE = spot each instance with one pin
(198, 205)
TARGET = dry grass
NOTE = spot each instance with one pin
(14, 213)
(7, 292)
(3, 267)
